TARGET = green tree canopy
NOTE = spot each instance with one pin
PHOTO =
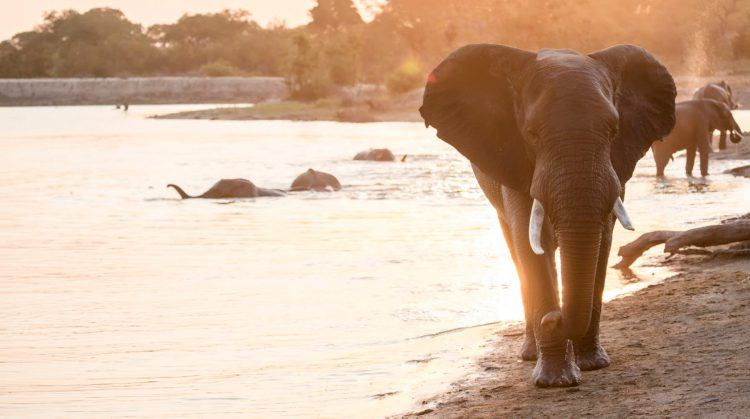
(100, 42)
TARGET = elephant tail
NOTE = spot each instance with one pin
(180, 191)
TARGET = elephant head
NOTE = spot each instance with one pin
(566, 128)
(721, 118)
(724, 85)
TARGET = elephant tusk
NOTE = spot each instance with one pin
(536, 222)
(622, 215)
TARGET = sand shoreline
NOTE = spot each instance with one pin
(378, 106)
(678, 348)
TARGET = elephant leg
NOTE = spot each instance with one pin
(555, 366)
(590, 355)
(722, 139)
(690, 160)
(528, 349)
(661, 162)
(704, 148)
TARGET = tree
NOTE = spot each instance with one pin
(333, 14)
(100, 42)
(306, 79)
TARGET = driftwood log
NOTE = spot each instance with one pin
(674, 241)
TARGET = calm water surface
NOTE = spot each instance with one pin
(117, 298)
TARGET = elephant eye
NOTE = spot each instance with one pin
(613, 129)
(532, 134)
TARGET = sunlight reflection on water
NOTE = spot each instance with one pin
(120, 298)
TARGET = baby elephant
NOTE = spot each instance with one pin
(375, 154)
(231, 188)
(314, 180)
(696, 121)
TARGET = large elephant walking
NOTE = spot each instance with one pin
(696, 121)
(553, 137)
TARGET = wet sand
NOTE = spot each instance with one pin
(678, 348)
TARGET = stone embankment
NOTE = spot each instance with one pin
(140, 90)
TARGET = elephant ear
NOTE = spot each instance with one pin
(469, 99)
(645, 98)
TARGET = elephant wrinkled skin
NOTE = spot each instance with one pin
(561, 133)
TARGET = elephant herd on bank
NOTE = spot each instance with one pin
(310, 180)
(696, 120)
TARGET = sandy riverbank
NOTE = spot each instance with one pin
(372, 107)
(679, 348)
(379, 106)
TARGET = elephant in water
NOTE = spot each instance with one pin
(376, 154)
(314, 180)
(720, 92)
(231, 188)
(553, 136)
(696, 121)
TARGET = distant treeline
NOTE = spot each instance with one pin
(404, 38)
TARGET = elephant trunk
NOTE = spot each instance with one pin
(579, 189)
(579, 252)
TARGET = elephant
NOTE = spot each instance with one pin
(231, 188)
(553, 136)
(721, 92)
(696, 120)
(314, 180)
(376, 154)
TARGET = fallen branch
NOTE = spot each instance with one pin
(633, 250)
(713, 235)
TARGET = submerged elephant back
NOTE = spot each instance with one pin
(376, 154)
(232, 188)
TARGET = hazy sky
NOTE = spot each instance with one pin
(21, 15)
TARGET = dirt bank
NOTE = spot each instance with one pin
(679, 348)
(377, 106)
(371, 107)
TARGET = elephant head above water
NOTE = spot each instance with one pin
(316, 181)
(553, 137)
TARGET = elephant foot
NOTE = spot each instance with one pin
(590, 356)
(528, 349)
(556, 366)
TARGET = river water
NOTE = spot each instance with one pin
(118, 298)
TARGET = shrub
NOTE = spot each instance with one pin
(406, 77)
(220, 68)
